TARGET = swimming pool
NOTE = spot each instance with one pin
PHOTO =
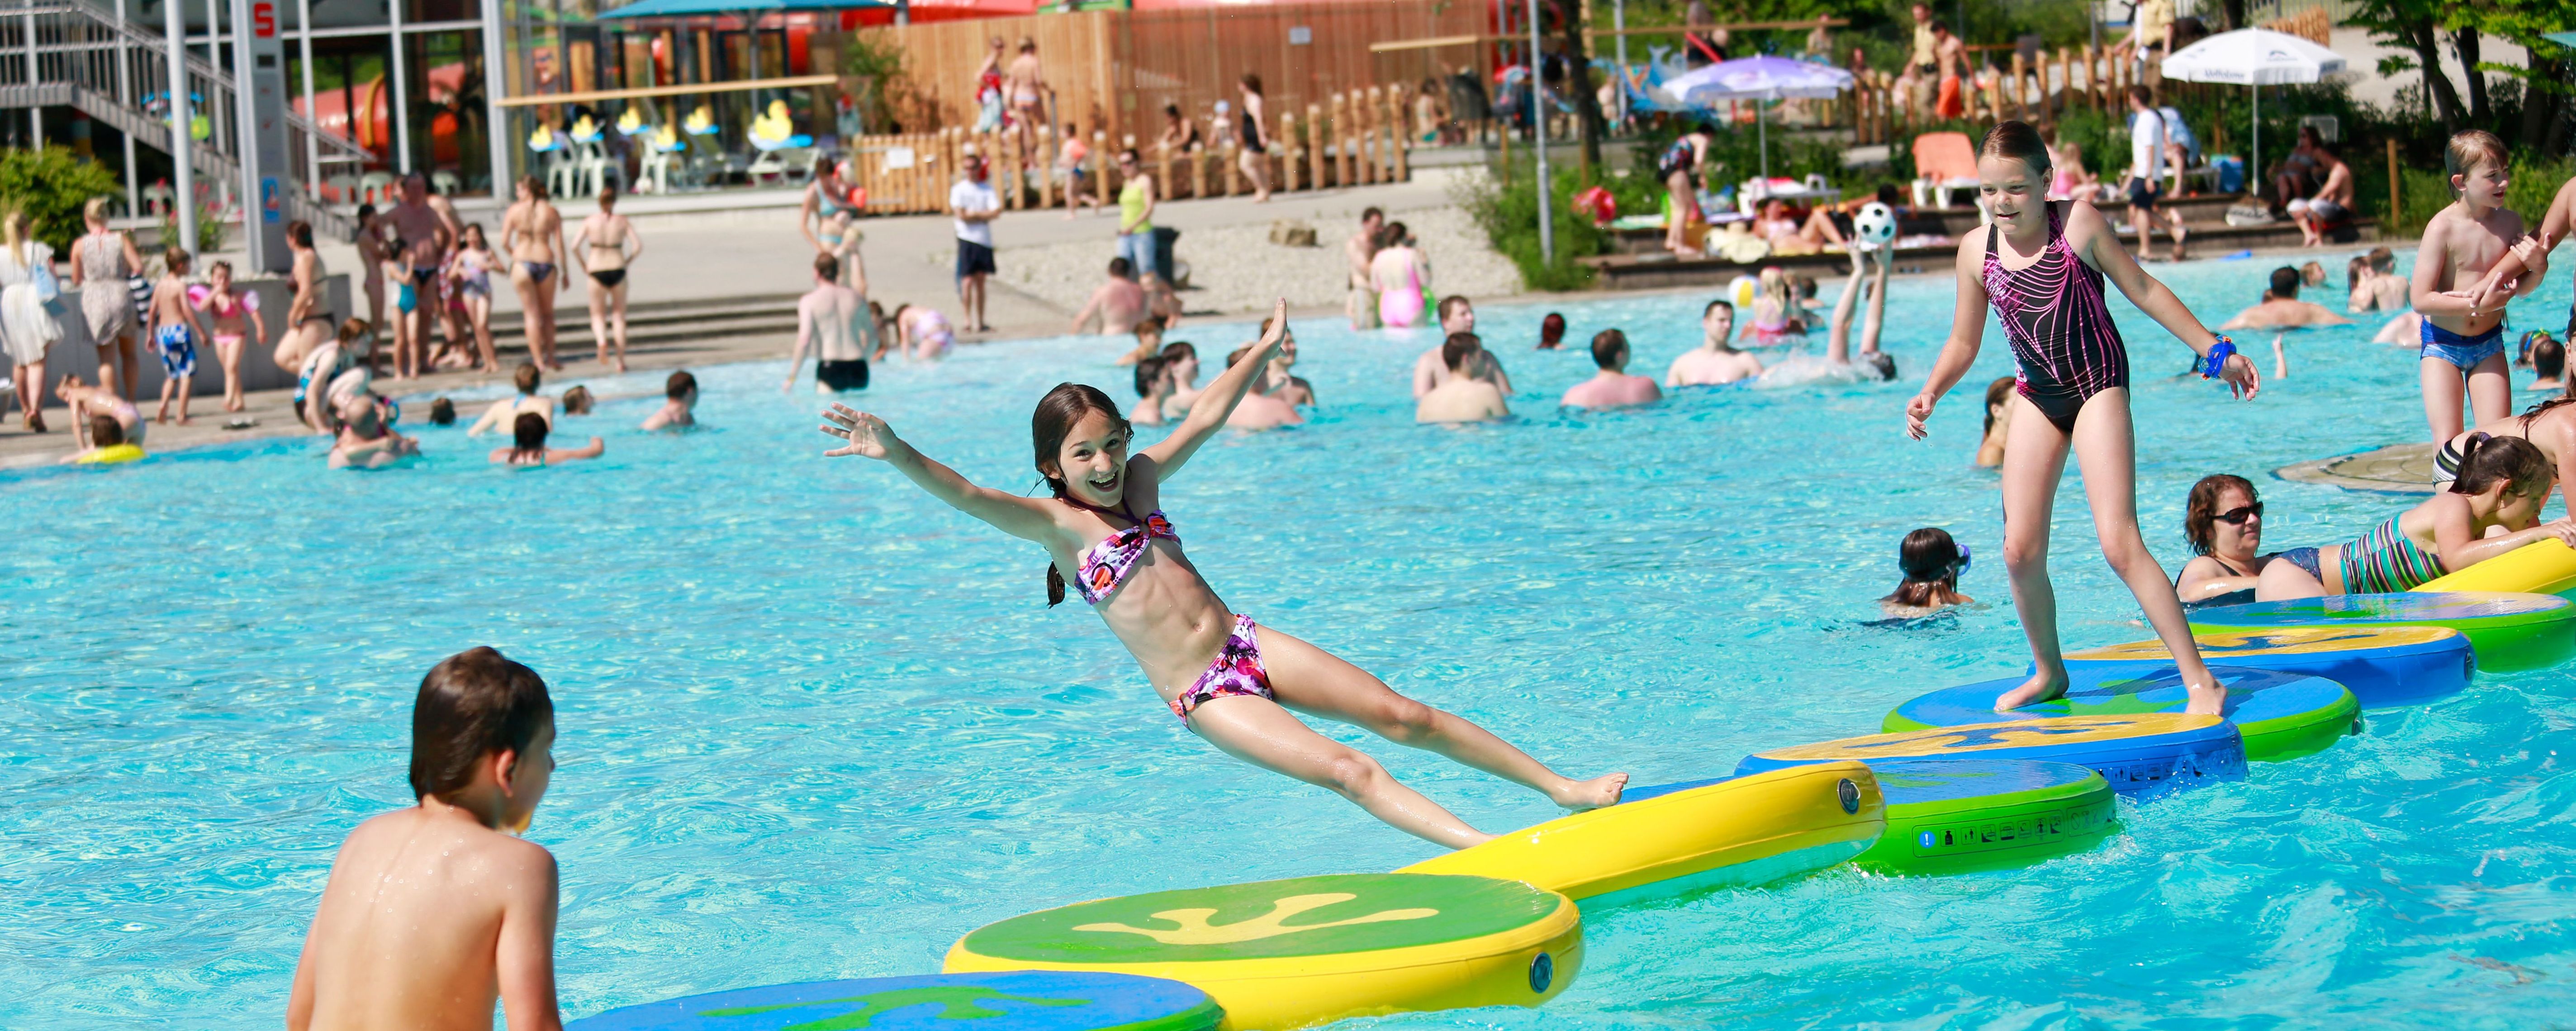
(815, 725)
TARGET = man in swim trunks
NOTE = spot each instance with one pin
(426, 236)
(1361, 301)
(2146, 172)
(1432, 369)
(1612, 387)
(2332, 204)
(834, 320)
(1027, 87)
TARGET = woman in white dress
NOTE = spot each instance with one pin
(27, 329)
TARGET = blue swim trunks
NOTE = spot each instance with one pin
(178, 350)
(2465, 352)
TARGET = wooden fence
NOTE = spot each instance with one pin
(2069, 78)
(1113, 71)
(1344, 139)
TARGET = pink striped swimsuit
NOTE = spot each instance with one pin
(2061, 331)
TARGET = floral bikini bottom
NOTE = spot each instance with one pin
(1236, 671)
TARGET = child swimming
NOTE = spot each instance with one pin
(436, 913)
(1932, 563)
(2281, 310)
(2503, 482)
(679, 404)
(2041, 264)
(2463, 242)
(1228, 679)
(1153, 384)
(528, 445)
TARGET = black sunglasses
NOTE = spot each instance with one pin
(2237, 516)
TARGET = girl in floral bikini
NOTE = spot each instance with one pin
(1229, 679)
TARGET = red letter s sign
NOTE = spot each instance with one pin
(263, 19)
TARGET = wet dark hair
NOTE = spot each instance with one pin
(1457, 348)
(2486, 460)
(1715, 305)
(2285, 282)
(1391, 234)
(828, 267)
(301, 233)
(1179, 349)
(1887, 194)
(1882, 364)
(2201, 508)
(442, 412)
(2020, 142)
(1930, 561)
(1121, 268)
(1058, 412)
(471, 705)
(2548, 357)
(1147, 372)
(576, 401)
(105, 431)
(528, 436)
(680, 385)
(526, 377)
(1607, 346)
(1551, 330)
(1997, 392)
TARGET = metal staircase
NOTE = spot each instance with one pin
(73, 55)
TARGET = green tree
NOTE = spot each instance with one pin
(2413, 25)
(51, 185)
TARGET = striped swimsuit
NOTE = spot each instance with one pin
(2061, 331)
(2385, 561)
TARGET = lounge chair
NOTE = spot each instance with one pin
(1943, 161)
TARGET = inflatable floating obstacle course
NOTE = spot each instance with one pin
(2546, 566)
(2380, 665)
(1030, 1000)
(1290, 953)
(1960, 815)
(2139, 752)
(2509, 631)
(2279, 715)
(1659, 843)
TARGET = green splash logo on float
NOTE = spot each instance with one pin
(1194, 928)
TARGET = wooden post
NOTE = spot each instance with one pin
(1402, 152)
(1504, 133)
(1100, 166)
(1199, 171)
(2386, 225)
(1314, 146)
(1345, 139)
(1044, 163)
(1283, 145)
(1164, 185)
(2020, 96)
(1233, 167)
(1364, 113)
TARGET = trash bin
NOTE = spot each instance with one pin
(1164, 236)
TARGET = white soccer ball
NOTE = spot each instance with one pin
(1875, 225)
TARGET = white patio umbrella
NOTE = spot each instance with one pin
(2257, 58)
(1758, 78)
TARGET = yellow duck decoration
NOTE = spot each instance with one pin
(584, 130)
(774, 131)
(630, 122)
(700, 122)
(667, 140)
(543, 139)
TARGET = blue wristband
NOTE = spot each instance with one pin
(2219, 353)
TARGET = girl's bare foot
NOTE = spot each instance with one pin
(2208, 699)
(2039, 688)
(1596, 793)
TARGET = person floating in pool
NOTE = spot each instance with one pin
(679, 404)
(1612, 387)
(1932, 563)
(364, 440)
(1462, 397)
(1716, 361)
(1259, 410)
(528, 445)
(2549, 426)
(2282, 310)
(437, 913)
(1228, 679)
(1999, 406)
(2503, 482)
(2223, 520)
(2041, 265)
(1432, 368)
(2548, 363)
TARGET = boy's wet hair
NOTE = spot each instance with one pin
(442, 412)
(2548, 357)
(528, 435)
(828, 267)
(471, 705)
(680, 385)
(1455, 351)
(105, 431)
(1148, 371)
(2019, 142)
(2382, 259)
(577, 400)
(1607, 346)
(1178, 350)
(2467, 149)
(2285, 283)
(2518, 463)
(526, 377)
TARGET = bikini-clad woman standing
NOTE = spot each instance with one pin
(1255, 136)
(532, 233)
(602, 245)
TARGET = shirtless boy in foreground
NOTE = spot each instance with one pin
(435, 912)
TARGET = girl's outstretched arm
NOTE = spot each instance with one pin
(2462, 547)
(1967, 332)
(869, 437)
(1216, 403)
(2104, 251)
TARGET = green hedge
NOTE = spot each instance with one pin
(51, 186)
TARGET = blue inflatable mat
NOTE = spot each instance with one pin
(1019, 1000)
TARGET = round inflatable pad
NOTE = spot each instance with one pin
(2509, 631)
(1286, 954)
(2381, 665)
(1020, 1000)
(2280, 715)
(2134, 753)
(1657, 844)
(1957, 815)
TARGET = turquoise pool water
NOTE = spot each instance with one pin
(814, 725)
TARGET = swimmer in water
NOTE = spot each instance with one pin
(1612, 386)
(1257, 410)
(1432, 368)
(528, 445)
(1182, 360)
(1772, 310)
(1228, 679)
(1462, 397)
(436, 915)
(442, 412)
(2040, 265)
(679, 404)
(1281, 380)
(1932, 563)
(506, 413)
(2548, 362)
(1716, 361)
(1153, 387)
(364, 441)
(2502, 484)
(2223, 520)
(1551, 332)
(577, 401)
(2280, 310)
(1999, 406)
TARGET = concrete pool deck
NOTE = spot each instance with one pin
(2394, 469)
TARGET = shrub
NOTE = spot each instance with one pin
(51, 185)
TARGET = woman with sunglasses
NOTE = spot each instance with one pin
(1932, 563)
(2223, 520)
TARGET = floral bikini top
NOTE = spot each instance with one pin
(1104, 566)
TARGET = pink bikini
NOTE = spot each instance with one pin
(1103, 567)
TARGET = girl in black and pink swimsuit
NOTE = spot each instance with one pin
(2042, 266)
